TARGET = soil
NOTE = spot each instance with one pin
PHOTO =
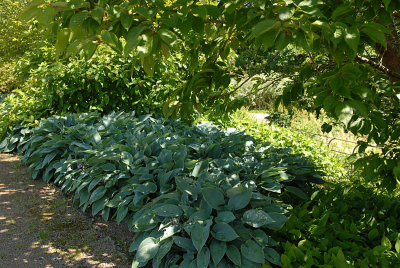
(41, 227)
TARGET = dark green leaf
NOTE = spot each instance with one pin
(272, 256)
(213, 197)
(234, 255)
(203, 258)
(168, 210)
(97, 194)
(265, 26)
(240, 200)
(352, 38)
(344, 112)
(112, 40)
(296, 191)
(252, 251)
(184, 243)
(200, 167)
(224, 232)
(225, 216)
(199, 235)
(218, 250)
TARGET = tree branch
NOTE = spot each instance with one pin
(248, 78)
(378, 66)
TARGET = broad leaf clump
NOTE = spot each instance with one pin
(194, 196)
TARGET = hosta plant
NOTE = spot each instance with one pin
(194, 196)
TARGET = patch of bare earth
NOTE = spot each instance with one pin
(40, 227)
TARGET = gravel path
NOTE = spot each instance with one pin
(40, 227)
(259, 116)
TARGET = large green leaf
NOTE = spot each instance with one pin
(200, 167)
(224, 232)
(203, 258)
(225, 216)
(358, 107)
(97, 194)
(278, 220)
(167, 36)
(265, 26)
(112, 40)
(344, 112)
(168, 210)
(375, 34)
(30, 10)
(147, 249)
(184, 243)
(133, 39)
(218, 250)
(256, 218)
(234, 255)
(272, 256)
(252, 251)
(199, 235)
(213, 197)
(240, 200)
(352, 38)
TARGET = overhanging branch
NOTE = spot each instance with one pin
(248, 78)
(378, 66)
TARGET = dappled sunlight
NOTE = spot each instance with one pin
(40, 228)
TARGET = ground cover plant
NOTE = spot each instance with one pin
(335, 167)
(339, 227)
(193, 195)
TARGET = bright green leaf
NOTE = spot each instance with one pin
(147, 249)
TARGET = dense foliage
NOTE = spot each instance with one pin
(194, 195)
(294, 141)
(16, 36)
(351, 69)
(339, 227)
(104, 83)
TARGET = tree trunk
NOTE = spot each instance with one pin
(390, 57)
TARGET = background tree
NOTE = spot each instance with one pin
(351, 70)
(16, 37)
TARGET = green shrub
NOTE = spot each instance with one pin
(193, 195)
(8, 81)
(104, 83)
(16, 36)
(347, 226)
(27, 104)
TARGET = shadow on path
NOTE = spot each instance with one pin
(39, 227)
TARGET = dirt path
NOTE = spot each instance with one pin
(40, 227)
(259, 116)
